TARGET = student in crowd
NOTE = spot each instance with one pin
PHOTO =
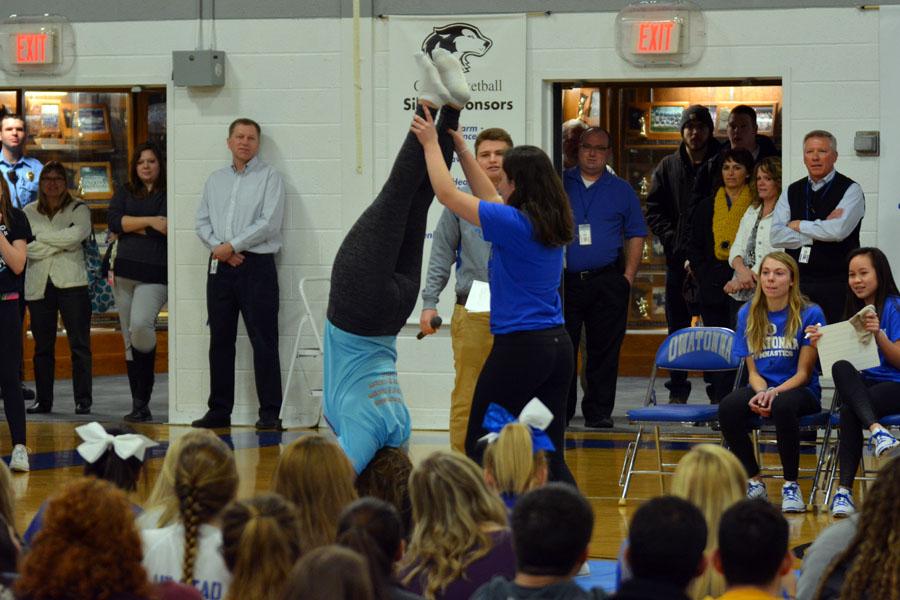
(386, 477)
(137, 217)
(189, 551)
(552, 528)
(666, 539)
(753, 552)
(783, 382)
(858, 557)
(15, 234)
(315, 474)
(375, 281)
(329, 573)
(711, 232)
(528, 224)
(460, 538)
(512, 465)
(874, 393)
(260, 544)
(90, 548)
(115, 455)
(56, 284)
(752, 240)
(373, 528)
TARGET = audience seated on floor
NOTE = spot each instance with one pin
(753, 552)
(189, 550)
(89, 547)
(460, 538)
(386, 477)
(374, 528)
(115, 455)
(329, 572)
(260, 544)
(315, 474)
(512, 464)
(551, 528)
(860, 557)
(666, 539)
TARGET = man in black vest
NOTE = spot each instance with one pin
(818, 219)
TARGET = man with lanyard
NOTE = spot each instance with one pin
(599, 271)
(458, 241)
(817, 219)
(22, 174)
(239, 219)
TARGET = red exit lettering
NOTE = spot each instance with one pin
(31, 48)
(656, 37)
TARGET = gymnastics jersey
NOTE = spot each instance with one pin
(164, 558)
(777, 362)
(890, 323)
(362, 400)
(524, 273)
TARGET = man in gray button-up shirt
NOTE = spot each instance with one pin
(457, 241)
(239, 220)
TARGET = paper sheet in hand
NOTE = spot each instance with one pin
(479, 297)
(842, 341)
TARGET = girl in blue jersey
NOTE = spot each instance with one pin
(528, 224)
(875, 392)
(783, 383)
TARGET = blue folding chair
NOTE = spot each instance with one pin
(706, 349)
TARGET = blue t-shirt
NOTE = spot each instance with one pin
(524, 273)
(613, 211)
(778, 360)
(362, 400)
(890, 322)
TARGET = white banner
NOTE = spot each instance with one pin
(492, 52)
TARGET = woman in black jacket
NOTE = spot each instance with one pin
(137, 217)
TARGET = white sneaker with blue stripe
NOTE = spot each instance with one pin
(842, 505)
(882, 441)
(756, 489)
(791, 500)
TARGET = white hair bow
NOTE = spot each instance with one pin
(535, 415)
(97, 441)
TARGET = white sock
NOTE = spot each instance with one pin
(431, 90)
(452, 76)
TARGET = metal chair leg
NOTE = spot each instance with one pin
(628, 474)
(659, 465)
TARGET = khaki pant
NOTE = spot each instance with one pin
(470, 334)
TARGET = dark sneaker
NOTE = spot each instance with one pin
(209, 421)
(269, 424)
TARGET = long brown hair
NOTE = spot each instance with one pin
(886, 285)
(539, 194)
(6, 204)
(43, 205)
(135, 185)
(758, 315)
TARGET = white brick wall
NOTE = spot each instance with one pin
(295, 78)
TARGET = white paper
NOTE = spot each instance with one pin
(479, 297)
(841, 341)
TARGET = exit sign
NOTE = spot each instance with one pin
(32, 48)
(657, 37)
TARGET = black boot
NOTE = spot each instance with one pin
(141, 373)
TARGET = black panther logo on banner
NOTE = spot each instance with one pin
(463, 40)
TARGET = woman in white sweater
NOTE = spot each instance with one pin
(752, 240)
(56, 283)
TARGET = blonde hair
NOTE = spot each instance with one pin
(7, 496)
(451, 506)
(315, 474)
(758, 313)
(260, 544)
(205, 482)
(510, 462)
(713, 479)
(162, 495)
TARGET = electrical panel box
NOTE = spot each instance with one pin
(198, 67)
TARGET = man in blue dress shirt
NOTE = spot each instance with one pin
(239, 219)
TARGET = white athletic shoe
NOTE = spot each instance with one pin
(882, 441)
(791, 500)
(19, 459)
(842, 505)
(756, 489)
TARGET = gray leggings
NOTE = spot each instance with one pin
(138, 304)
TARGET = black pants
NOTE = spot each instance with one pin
(250, 289)
(74, 304)
(829, 294)
(678, 316)
(599, 303)
(864, 401)
(10, 360)
(376, 275)
(522, 366)
(735, 416)
(721, 314)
